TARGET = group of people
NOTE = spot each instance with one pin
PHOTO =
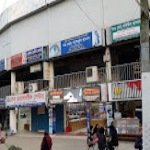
(103, 139)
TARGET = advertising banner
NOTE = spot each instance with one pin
(91, 93)
(16, 60)
(128, 90)
(56, 96)
(26, 100)
(2, 65)
(73, 95)
(125, 31)
(81, 42)
(55, 50)
(34, 55)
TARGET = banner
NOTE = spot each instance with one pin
(16, 60)
(34, 55)
(127, 90)
(2, 65)
(125, 31)
(91, 93)
(73, 95)
(55, 50)
(55, 96)
(28, 100)
(81, 42)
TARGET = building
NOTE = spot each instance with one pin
(55, 48)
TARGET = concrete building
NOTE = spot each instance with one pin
(89, 49)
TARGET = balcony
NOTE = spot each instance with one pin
(76, 79)
(123, 72)
(37, 85)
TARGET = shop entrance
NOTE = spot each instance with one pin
(58, 112)
(39, 119)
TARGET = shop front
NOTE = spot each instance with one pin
(126, 98)
(95, 106)
(28, 111)
(56, 111)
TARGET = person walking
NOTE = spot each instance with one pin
(101, 139)
(46, 142)
(113, 137)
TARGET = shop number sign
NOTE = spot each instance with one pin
(125, 31)
(55, 96)
(91, 93)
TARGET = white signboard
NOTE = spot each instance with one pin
(128, 90)
(29, 99)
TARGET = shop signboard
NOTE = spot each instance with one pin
(2, 102)
(55, 50)
(81, 42)
(127, 90)
(56, 96)
(16, 60)
(73, 95)
(2, 65)
(125, 31)
(34, 55)
(26, 100)
(91, 93)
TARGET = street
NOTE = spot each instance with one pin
(60, 142)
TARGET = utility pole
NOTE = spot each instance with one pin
(145, 60)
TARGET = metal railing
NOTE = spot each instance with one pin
(123, 72)
(5, 91)
(76, 79)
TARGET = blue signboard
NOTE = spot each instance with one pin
(2, 64)
(88, 116)
(34, 55)
(77, 43)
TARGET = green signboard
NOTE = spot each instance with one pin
(125, 31)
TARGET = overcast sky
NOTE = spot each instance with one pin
(5, 3)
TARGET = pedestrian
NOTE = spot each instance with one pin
(101, 139)
(95, 129)
(139, 141)
(46, 142)
(113, 142)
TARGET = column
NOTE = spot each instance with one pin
(12, 113)
(48, 74)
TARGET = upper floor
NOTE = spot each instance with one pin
(29, 24)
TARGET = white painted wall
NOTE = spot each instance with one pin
(63, 21)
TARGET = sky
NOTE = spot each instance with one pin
(6, 3)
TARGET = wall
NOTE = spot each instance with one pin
(65, 20)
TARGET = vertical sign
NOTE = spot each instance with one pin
(50, 111)
(88, 115)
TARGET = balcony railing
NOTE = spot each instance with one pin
(123, 72)
(76, 79)
(5, 91)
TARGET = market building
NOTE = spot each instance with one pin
(65, 71)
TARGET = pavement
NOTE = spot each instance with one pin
(32, 141)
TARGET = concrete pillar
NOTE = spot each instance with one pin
(48, 73)
(13, 83)
(13, 121)
(107, 60)
(12, 113)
